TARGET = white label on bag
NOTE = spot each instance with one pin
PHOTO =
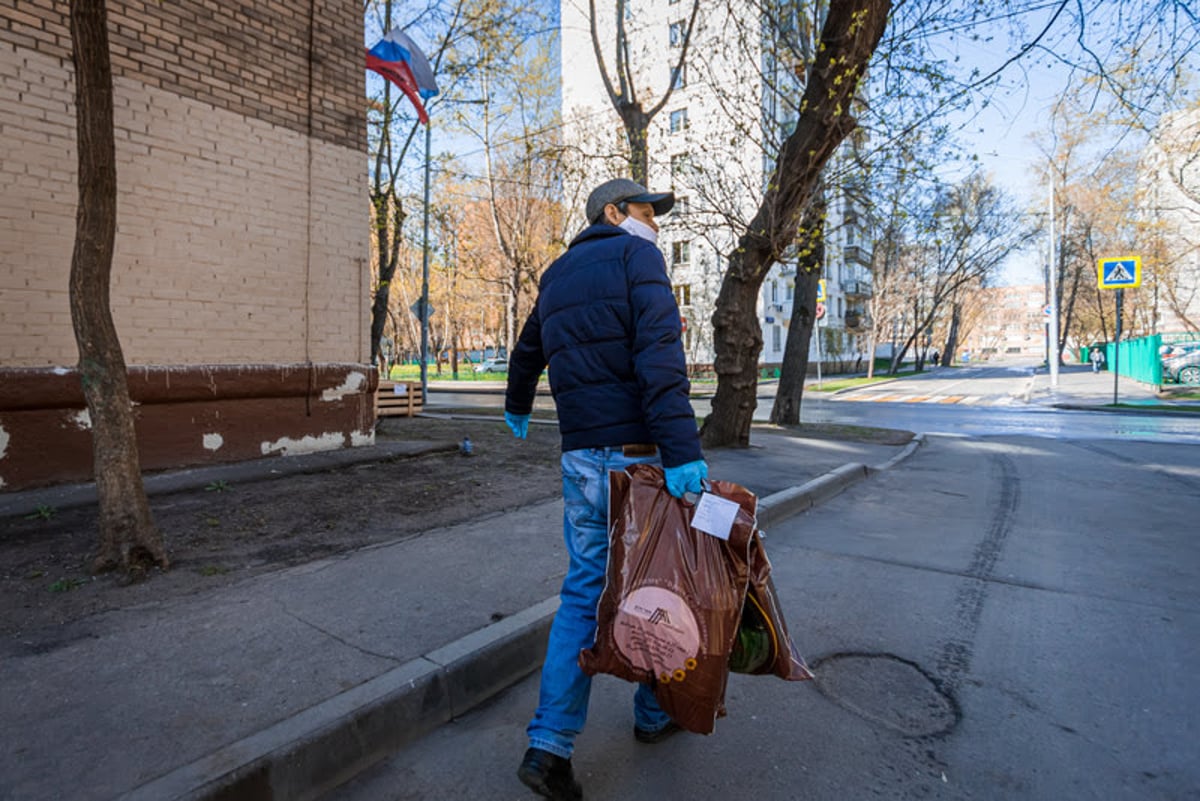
(715, 515)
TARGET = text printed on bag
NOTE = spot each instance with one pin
(715, 515)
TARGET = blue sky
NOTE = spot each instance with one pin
(1000, 134)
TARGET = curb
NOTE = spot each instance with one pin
(864, 386)
(314, 751)
(1160, 412)
(908, 451)
(786, 503)
(66, 496)
(324, 746)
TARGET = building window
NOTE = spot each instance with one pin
(680, 164)
(791, 291)
(776, 338)
(683, 293)
(774, 291)
(679, 120)
(681, 253)
(681, 207)
(678, 29)
(679, 76)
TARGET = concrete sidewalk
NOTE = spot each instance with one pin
(1080, 388)
(285, 685)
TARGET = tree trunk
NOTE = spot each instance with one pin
(872, 343)
(129, 540)
(790, 394)
(951, 345)
(636, 123)
(851, 33)
(389, 247)
(511, 320)
(737, 340)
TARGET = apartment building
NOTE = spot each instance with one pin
(1169, 195)
(732, 101)
(1007, 322)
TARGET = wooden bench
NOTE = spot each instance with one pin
(398, 399)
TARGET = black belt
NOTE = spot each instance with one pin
(639, 450)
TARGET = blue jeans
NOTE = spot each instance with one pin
(563, 699)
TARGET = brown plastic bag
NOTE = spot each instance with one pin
(673, 598)
(763, 645)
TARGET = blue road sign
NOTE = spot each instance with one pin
(821, 291)
(1122, 273)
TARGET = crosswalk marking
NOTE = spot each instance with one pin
(959, 400)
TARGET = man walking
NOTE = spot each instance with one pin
(607, 324)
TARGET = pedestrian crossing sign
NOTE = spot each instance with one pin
(821, 291)
(1122, 273)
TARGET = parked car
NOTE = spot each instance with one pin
(1177, 349)
(495, 365)
(1182, 366)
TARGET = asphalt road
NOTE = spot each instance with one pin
(995, 618)
(986, 401)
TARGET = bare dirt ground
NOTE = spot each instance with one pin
(223, 534)
(218, 536)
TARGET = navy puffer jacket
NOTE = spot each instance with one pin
(607, 324)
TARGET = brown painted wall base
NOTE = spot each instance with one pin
(185, 415)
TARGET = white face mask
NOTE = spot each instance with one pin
(639, 228)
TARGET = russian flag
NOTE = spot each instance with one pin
(398, 59)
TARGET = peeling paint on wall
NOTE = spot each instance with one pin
(351, 386)
(3, 448)
(361, 438)
(213, 442)
(287, 446)
(82, 420)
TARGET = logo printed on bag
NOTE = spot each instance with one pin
(656, 630)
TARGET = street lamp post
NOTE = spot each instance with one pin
(1052, 323)
(425, 269)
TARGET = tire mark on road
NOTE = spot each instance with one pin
(955, 659)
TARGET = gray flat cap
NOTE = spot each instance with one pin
(620, 190)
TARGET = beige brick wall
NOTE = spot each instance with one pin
(216, 260)
(249, 58)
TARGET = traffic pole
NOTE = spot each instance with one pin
(1117, 344)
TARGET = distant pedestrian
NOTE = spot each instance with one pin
(1097, 358)
(607, 323)
(934, 358)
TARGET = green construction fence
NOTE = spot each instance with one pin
(1139, 358)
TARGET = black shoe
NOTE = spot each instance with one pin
(652, 737)
(549, 775)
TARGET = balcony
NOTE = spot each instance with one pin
(855, 254)
(856, 320)
(857, 289)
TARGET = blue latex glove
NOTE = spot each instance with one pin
(686, 477)
(519, 423)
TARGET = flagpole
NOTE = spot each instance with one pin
(425, 275)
